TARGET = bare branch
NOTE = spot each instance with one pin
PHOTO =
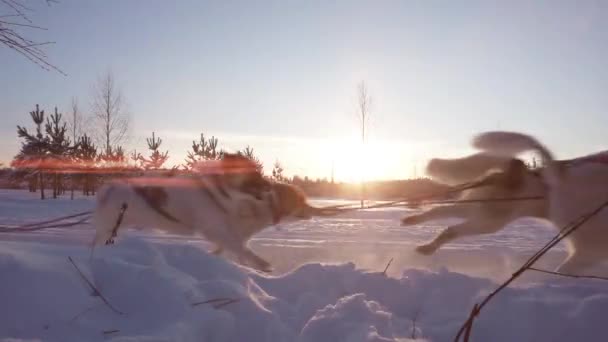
(9, 23)
(75, 121)
(14, 39)
(109, 112)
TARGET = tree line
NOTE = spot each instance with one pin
(49, 159)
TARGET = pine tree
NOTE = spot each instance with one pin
(204, 149)
(249, 154)
(34, 151)
(277, 172)
(137, 159)
(114, 157)
(85, 155)
(157, 159)
(59, 148)
(212, 152)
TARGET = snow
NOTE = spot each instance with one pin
(328, 286)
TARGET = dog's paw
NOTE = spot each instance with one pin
(427, 249)
(410, 220)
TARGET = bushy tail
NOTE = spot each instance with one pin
(510, 144)
(463, 170)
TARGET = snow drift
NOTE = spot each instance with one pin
(163, 289)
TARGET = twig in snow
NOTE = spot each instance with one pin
(221, 305)
(566, 274)
(387, 266)
(218, 302)
(108, 332)
(95, 290)
(414, 320)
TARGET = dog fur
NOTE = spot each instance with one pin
(575, 188)
(503, 177)
(191, 205)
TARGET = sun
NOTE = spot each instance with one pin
(354, 162)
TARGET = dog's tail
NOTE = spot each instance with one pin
(463, 170)
(510, 144)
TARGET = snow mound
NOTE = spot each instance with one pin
(178, 292)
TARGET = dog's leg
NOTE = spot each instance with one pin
(449, 211)
(247, 256)
(454, 232)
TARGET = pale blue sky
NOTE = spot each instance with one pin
(281, 75)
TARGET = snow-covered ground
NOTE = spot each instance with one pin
(328, 284)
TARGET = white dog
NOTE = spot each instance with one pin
(226, 209)
(576, 187)
(502, 177)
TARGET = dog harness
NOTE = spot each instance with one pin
(156, 198)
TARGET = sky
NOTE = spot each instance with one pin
(281, 76)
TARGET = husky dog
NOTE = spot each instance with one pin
(575, 188)
(226, 208)
(498, 177)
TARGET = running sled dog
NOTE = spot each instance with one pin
(495, 177)
(573, 188)
(227, 202)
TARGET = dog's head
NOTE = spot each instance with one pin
(511, 178)
(289, 203)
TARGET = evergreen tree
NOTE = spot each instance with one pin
(249, 154)
(34, 151)
(157, 159)
(137, 159)
(85, 155)
(277, 172)
(114, 156)
(204, 149)
(58, 148)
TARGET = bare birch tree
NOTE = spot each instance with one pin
(364, 103)
(75, 129)
(110, 116)
(75, 121)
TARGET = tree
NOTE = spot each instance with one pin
(59, 148)
(248, 153)
(157, 159)
(109, 113)
(13, 20)
(85, 155)
(204, 149)
(34, 151)
(277, 172)
(136, 158)
(113, 158)
(75, 121)
(75, 128)
(364, 102)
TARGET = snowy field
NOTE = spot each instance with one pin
(327, 285)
